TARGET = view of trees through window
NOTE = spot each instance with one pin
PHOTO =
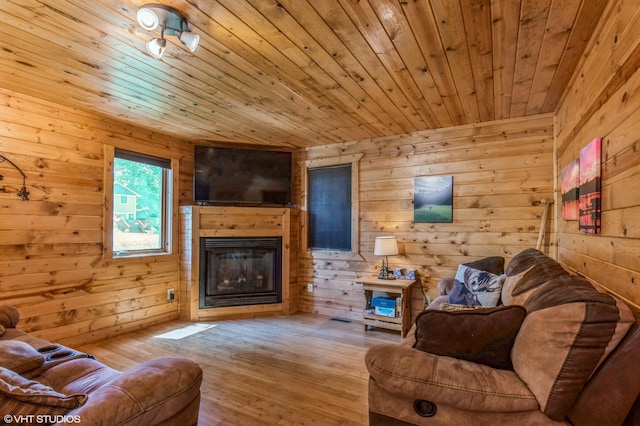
(138, 189)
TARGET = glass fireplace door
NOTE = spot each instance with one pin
(240, 271)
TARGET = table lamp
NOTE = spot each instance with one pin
(385, 246)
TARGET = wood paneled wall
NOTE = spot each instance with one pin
(51, 248)
(51, 261)
(603, 101)
(501, 172)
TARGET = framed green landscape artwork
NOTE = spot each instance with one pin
(433, 199)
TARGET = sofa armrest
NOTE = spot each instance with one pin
(408, 372)
(146, 394)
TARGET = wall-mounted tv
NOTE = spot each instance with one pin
(241, 176)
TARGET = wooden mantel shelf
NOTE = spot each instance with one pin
(213, 221)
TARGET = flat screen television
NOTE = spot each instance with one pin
(241, 176)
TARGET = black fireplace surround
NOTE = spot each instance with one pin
(240, 271)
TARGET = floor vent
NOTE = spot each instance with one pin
(341, 319)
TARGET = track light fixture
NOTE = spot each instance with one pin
(171, 22)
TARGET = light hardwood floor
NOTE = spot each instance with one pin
(302, 369)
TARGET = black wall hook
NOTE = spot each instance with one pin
(23, 193)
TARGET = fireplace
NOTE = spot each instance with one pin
(239, 271)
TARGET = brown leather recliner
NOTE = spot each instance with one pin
(45, 383)
(575, 358)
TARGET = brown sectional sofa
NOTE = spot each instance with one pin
(572, 357)
(45, 383)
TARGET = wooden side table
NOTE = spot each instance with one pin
(399, 287)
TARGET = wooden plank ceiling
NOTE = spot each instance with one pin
(298, 73)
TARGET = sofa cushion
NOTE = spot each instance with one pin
(19, 356)
(20, 396)
(525, 273)
(409, 373)
(474, 287)
(483, 335)
(146, 394)
(79, 375)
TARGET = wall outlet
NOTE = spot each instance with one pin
(310, 288)
(171, 295)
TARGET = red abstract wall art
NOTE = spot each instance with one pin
(589, 197)
(570, 190)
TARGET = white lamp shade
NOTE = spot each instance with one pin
(156, 47)
(190, 40)
(385, 246)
